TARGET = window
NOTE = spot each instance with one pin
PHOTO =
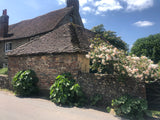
(8, 46)
(5, 65)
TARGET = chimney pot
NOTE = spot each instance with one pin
(5, 12)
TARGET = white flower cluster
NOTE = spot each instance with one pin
(103, 54)
(141, 68)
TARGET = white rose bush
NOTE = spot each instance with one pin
(107, 59)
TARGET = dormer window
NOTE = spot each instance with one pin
(8, 46)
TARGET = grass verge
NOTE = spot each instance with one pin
(153, 114)
(7, 91)
(4, 71)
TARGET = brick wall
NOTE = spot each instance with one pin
(109, 87)
(4, 82)
(48, 67)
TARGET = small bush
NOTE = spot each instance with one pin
(130, 107)
(25, 83)
(95, 99)
(4, 71)
(108, 109)
(65, 92)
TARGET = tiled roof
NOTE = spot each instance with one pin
(38, 25)
(67, 38)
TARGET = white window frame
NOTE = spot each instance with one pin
(8, 46)
(5, 65)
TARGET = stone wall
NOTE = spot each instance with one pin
(2, 53)
(48, 67)
(4, 82)
(109, 87)
(15, 44)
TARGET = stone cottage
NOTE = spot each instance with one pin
(55, 43)
(58, 43)
(12, 36)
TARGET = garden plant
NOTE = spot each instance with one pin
(132, 108)
(25, 83)
(66, 92)
(107, 59)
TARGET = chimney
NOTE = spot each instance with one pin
(74, 3)
(4, 24)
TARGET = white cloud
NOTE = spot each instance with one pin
(133, 5)
(87, 9)
(84, 20)
(84, 2)
(106, 5)
(102, 6)
(81, 2)
(144, 23)
(61, 2)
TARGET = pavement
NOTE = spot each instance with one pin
(15, 108)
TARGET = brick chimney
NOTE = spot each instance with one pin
(4, 24)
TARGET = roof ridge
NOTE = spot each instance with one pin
(38, 25)
(61, 40)
(41, 15)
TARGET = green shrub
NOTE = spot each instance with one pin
(130, 107)
(108, 109)
(65, 92)
(25, 83)
(95, 99)
(4, 71)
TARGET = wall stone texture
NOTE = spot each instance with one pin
(4, 82)
(109, 87)
(48, 67)
(15, 44)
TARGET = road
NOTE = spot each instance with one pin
(15, 108)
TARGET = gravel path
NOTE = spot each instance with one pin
(14, 108)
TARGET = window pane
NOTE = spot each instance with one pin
(8, 47)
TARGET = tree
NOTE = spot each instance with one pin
(99, 29)
(110, 36)
(148, 46)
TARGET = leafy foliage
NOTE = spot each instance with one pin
(108, 109)
(95, 99)
(148, 46)
(99, 29)
(25, 83)
(65, 92)
(130, 107)
(4, 71)
(115, 41)
(111, 37)
(108, 59)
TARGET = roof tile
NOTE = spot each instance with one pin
(38, 25)
(67, 38)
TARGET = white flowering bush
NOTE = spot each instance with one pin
(107, 59)
(103, 56)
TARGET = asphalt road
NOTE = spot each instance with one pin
(14, 108)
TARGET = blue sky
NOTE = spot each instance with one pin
(130, 19)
